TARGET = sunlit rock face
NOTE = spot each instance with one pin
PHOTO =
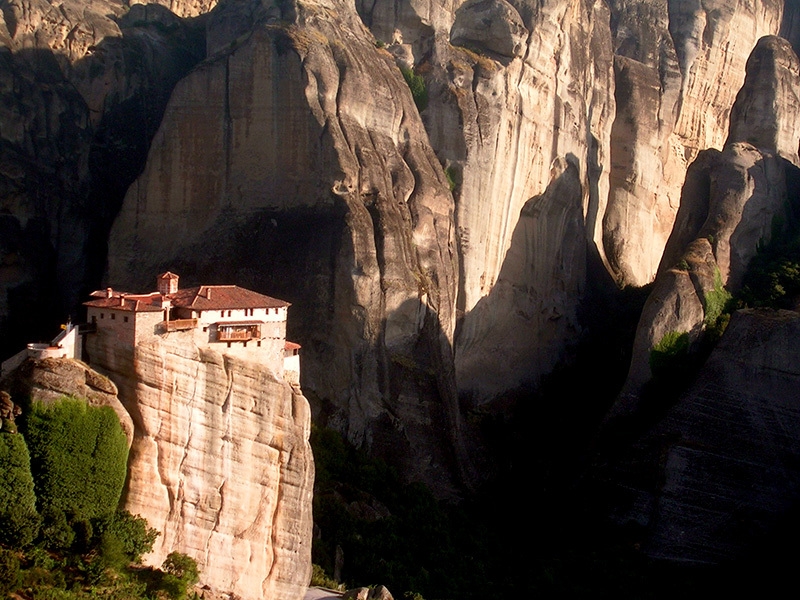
(767, 108)
(728, 206)
(220, 463)
(183, 8)
(293, 160)
(678, 66)
(632, 91)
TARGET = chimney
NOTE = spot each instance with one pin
(208, 293)
(109, 293)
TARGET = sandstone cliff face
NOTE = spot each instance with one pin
(728, 204)
(719, 471)
(536, 296)
(220, 464)
(678, 66)
(293, 161)
(633, 90)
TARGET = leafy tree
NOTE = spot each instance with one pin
(180, 573)
(19, 521)
(135, 537)
(79, 457)
(56, 531)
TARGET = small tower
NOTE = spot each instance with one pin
(167, 283)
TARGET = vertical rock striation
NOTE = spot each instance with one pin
(678, 67)
(220, 464)
(537, 295)
(631, 89)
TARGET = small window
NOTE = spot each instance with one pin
(259, 343)
(205, 329)
(125, 319)
(229, 344)
(244, 344)
(229, 313)
(222, 313)
(113, 316)
(102, 315)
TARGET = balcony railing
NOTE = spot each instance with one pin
(180, 324)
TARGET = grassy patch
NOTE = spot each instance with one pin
(416, 84)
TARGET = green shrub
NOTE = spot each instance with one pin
(451, 176)
(321, 579)
(78, 458)
(417, 85)
(19, 521)
(669, 353)
(182, 566)
(715, 302)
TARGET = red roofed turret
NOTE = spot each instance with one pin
(167, 283)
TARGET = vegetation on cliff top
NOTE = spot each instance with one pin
(79, 457)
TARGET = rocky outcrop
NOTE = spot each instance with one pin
(633, 90)
(220, 464)
(492, 26)
(292, 160)
(182, 8)
(719, 471)
(727, 207)
(51, 379)
(767, 108)
(719, 233)
(500, 118)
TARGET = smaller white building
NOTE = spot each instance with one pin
(66, 344)
(224, 317)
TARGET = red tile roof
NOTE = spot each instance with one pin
(223, 297)
(130, 303)
(204, 297)
(291, 346)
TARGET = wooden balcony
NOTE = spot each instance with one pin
(238, 332)
(179, 324)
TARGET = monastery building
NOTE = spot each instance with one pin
(226, 318)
